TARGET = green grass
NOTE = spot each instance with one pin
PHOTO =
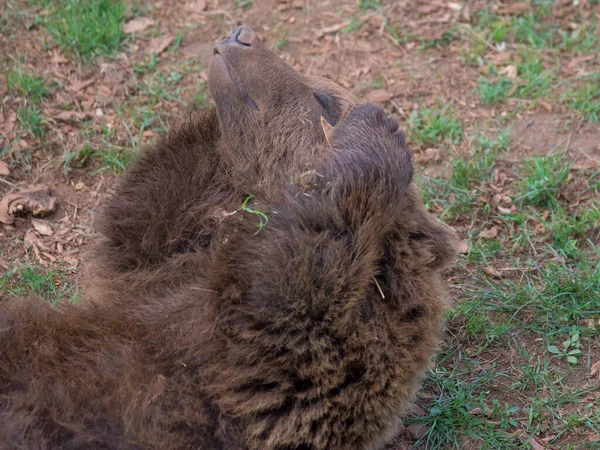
(459, 193)
(494, 92)
(586, 100)
(533, 81)
(31, 120)
(428, 127)
(551, 298)
(542, 178)
(26, 85)
(86, 28)
(28, 278)
(528, 30)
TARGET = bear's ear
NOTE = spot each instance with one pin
(331, 107)
(327, 129)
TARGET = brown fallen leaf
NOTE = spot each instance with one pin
(136, 25)
(333, 28)
(416, 431)
(30, 238)
(38, 199)
(463, 247)
(496, 199)
(586, 165)
(79, 85)
(595, 369)
(491, 271)
(535, 444)
(378, 96)
(576, 61)
(42, 227)
(159, 44)
(490, 233)
(197, 6)
(510, 72)
(514, 8)
(4, 170)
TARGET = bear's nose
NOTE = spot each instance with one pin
(243, 36)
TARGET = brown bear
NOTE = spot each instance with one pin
(297, 319)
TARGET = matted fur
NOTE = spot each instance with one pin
(199, 332)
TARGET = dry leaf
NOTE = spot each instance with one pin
(416, 431)
(30, 238)
(38, 199)
(79, 85)
(496, 199)
(197, 6)
(67, 116)
(378, 96)
(42, 227)
(515, 8)
(490, 233)
(136, 25)
(504, 210)
(595, 368)
(576, 61)
(535, 444)
(492, 271)
(159, 44)
(463, 247)
(333, 28)
(4, 170)
(586, 165)
(509, 71)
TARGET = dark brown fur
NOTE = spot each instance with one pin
(199, 332)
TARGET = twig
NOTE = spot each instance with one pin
(379, 287)
(8, 182)
(216, 12)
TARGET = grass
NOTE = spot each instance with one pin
(542, 178)
(434, 126)
(30, 89)
(586, 100)
(29, 278)
(458, 194)
(30, 86)
(86, 28)
(31, 120)
(532, 81)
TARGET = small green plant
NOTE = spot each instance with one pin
(570, 349)
(31, 87)
(243, 4)
(262, 217)
(282, 42)
(586, 101)
(48, 284)
(434, 126)
(86, 28)
(79, 158)
(31, 120)
(530, 31)
(542, 179)
(491, 93)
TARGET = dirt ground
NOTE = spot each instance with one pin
(498, 383)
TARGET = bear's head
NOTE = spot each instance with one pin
(271, 117)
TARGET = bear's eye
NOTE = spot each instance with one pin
(330, 106)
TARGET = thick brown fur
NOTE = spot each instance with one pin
(200, 330)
